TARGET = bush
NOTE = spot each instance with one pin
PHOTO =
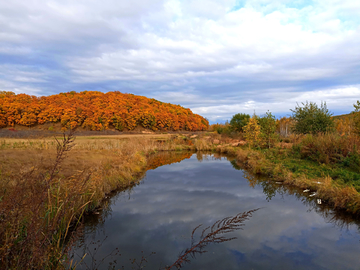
(221, 128)
(239, 121)
(312, 119)
(330, 148)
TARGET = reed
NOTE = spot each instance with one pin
(215, 233)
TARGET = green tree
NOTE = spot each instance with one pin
(268, 130)
(309, 118)
(239, 121)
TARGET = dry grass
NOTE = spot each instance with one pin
(328, 148)
(82, 142)
(203, 145)
(36, 210)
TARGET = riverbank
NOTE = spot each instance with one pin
(47, 185)
(325, 166)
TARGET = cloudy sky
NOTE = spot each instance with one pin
(215, 57)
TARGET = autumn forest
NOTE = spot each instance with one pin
(97, 111)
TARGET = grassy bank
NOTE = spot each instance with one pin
(46, 186)
(326, 164)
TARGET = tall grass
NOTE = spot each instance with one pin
(36, 209)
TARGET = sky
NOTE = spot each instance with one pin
(217, 58)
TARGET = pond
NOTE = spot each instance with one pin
(155, 219)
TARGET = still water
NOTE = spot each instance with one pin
(290, 231)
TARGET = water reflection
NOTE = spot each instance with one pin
(271, 188)
(290, 231)
(166, 158)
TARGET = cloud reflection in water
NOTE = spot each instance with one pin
(160, 214)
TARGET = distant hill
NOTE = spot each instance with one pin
(342, 116)
(97, 111)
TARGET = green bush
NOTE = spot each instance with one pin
(312, 119)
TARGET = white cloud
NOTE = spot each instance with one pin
(7, 86)
(232, 56)
(14, 50)
(22, 73)
(240, 43)
(337, 99)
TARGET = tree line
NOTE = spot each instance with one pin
(306, 118)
